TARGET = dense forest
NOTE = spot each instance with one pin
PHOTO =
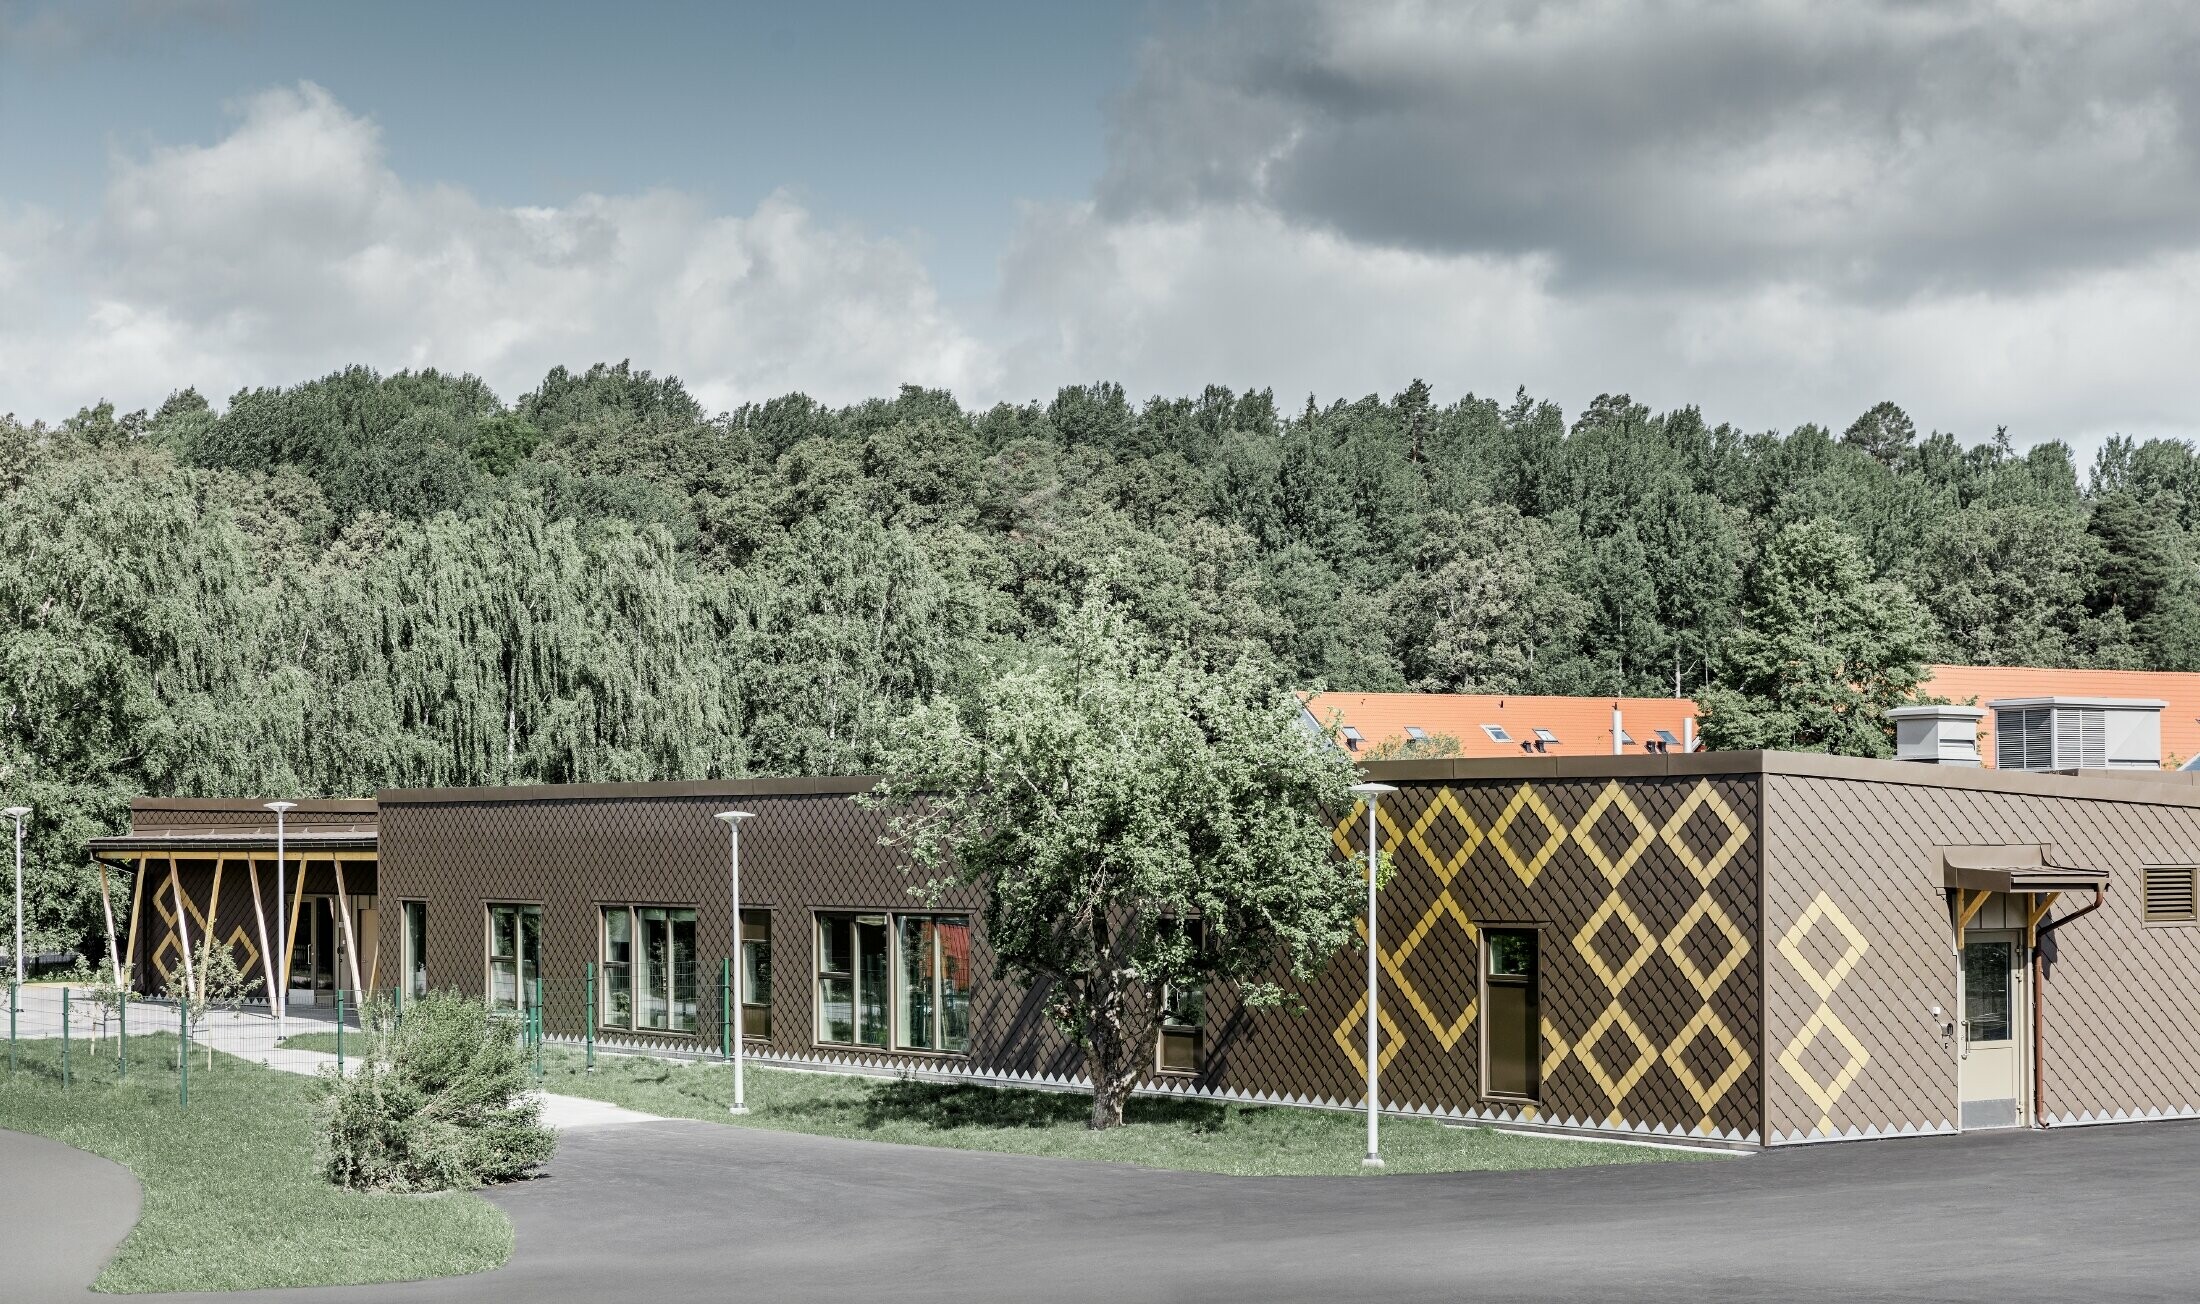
(369, 581)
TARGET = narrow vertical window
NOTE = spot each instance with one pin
(1184, 1017)
(871, 980)
(1511, 1022)
(414, 936)
(919, 984)
(932, 977)
(618, 967)
(515, 957)
(756, 973)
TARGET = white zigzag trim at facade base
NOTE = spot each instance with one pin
(2154, 1114)
(1874, 1132)
(1519, 1121)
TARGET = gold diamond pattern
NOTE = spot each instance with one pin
(1707, 1094)
(1613, 834)
(1394, 962)
(1351, 1036)
(1737, 833)
(1351, 824)
(1613, 868)
(1500, 836)
(1824, 1094)
(1585, 941)
(1822, 908)
(1615, 1088)
(1676, 950)
(1447, 868)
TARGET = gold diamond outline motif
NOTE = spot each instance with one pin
(1646, 943)
(1616, 1089)
(1394, 961)
(1352, 823)
(1557, 1053)
(1347, 1035)
(1446, 870)
(1737, 946)
(1584, 834)
(1737, 833)
(1707, 1094)
(1526, 869)
(1824, 1095)
(1790, 945)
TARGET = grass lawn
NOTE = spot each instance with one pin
(233, 1200)
(1243, 1140)
(354, 1041)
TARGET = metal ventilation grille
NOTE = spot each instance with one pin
(2170, 894)
(2081, 739)
(2024, 740)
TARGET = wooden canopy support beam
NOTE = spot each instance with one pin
(290, 939)
(107, 907)
(351, 945)
(259, 921)
(183, 924)
(137, 903)
(213, 915)
(2042, 902)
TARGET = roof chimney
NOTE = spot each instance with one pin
(1936, 735)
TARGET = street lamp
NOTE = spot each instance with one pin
(17, 813)
(1372, 794)
(733, 820)
(281, 999)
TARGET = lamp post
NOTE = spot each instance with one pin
(733, 820)
(281, 999)
(17, 813)
(1372, 794)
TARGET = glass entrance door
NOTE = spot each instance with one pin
(1990, 1078)
(317, 953)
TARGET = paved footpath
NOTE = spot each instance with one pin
(681, 1211)
(62, 1213)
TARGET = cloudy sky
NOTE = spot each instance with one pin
(1782, 212)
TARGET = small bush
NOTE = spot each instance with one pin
(438, 1102)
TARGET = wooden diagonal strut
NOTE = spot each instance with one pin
(297, 899)
(259, 921)
(213, 915)
(107, 906)
(351, 947)
(137, 902)
(183, 925)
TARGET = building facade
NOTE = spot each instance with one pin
(1742, 949)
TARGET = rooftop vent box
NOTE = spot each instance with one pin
(2077, 733)
(1936, 735)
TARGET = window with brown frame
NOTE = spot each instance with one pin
(1511, 1021)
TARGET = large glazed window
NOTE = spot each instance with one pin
(1511, 1021)
(649, 968)
(515, 957)
(933, 1010)
(851, 979)
(414, 962)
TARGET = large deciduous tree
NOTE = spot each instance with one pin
(1823, 651)
(1102, 799)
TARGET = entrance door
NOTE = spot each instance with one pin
(1990, 1080)
(317, 964)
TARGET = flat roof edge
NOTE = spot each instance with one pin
(833, 786)
(2147, 788)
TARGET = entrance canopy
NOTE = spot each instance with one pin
(2014, 867)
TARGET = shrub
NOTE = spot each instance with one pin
(439, 1101)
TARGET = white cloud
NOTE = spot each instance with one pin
(289, 248)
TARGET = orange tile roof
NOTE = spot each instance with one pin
(1583, 725)
(1983, 684)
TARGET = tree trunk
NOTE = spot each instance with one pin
(1111, 1050)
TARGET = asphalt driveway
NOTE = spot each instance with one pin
(681, 1211)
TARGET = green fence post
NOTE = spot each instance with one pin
(339, 1032)
(122, 1041)
(64, 1038)
(183, 1054)
(725, 1008)
(588, 1024)
(538, 1040)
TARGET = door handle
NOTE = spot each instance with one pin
(1966, 1054)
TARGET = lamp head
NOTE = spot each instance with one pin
(1371, 789)
(16, 812)
(736, 816)
(280, 806)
